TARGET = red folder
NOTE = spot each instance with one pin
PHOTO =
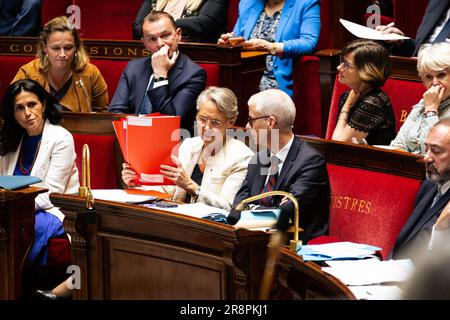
(146, 143)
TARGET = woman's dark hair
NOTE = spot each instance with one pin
(371, 59)
(11, 132)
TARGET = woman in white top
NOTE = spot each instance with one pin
(210, 167)
(433, 65)
(33, 144)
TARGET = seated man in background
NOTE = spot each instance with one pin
(434, 28)
(430, 219)
(20, 17)
(200, 20)
(167, 82)
(294, 166)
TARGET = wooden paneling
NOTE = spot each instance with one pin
(16, 236)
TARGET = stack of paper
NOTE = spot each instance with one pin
(337, 251)
(369, 33)
(372, 279)
(146, 143)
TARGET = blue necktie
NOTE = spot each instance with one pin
(146, 105)
(445, 32)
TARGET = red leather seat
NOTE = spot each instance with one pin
(368, 207)
(403, 94)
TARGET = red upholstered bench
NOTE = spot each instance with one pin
(111, 71)
(103, 159)
(403, 94)
(308, 120)
(368, 206)
(9, 67)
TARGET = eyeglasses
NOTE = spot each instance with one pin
(345, 64)
(250, 119)
(213, 123)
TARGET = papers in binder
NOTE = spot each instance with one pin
(369, 33)
(146, 143)
(337, 251)
(17, 182)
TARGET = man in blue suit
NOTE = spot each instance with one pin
(167, 82)
(20, 17)
(430, 219)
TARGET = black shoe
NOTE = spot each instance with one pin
(49, 295)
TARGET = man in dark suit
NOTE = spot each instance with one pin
(167, 82)
(20, 17)
(435, 20)
(430, 219)
(298, 168)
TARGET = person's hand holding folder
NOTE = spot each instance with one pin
(179, 176)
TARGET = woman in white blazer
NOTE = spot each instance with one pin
(32, 143)
(211, 166)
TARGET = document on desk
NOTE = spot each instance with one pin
(370, 271)
(369, 33)
(376, 292)
(259, 219)
(119, 195)
(337, 251)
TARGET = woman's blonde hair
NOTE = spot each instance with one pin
(61, 24)
(223, 98)
(191, 5)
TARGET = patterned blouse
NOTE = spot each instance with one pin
(266, 28)
(372, 114)
(413, 132)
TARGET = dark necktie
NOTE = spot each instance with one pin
(271, 182)
(146, 105)
(445, 32)
(437, 197)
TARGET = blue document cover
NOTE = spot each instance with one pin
(17, 182)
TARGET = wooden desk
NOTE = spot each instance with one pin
(133, 252)
(305, 280)
(16, 236)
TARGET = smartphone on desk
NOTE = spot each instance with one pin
(163, 204)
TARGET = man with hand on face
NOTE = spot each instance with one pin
(167, 82)
(430, 220)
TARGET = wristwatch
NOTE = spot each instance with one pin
(158, 79)
(197, 191)
(430, 114)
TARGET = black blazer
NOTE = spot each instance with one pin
(432, 15)
(204, 25)
(186, 81)
(305, 175)
(421, 214)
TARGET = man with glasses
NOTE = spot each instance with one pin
(167, 82)
(285, 163)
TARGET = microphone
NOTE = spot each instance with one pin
(86, 96)
(277, 239)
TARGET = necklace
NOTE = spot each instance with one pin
(23, 170)
(274, 24)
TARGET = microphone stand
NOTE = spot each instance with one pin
(276, 241)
